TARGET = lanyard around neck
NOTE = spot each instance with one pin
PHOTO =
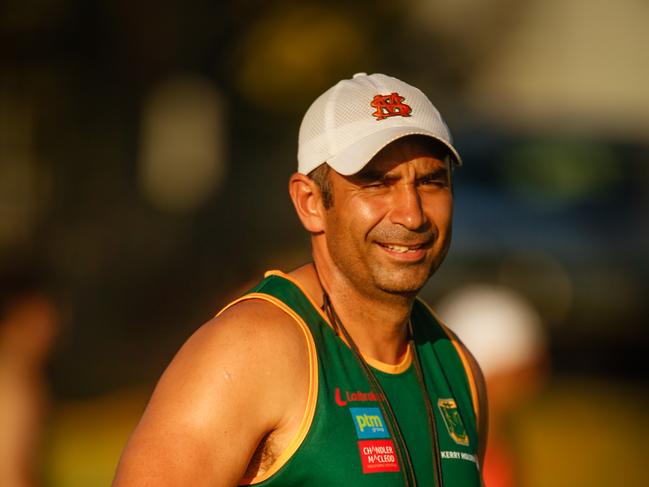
(384, 404)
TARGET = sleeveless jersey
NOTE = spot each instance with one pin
(343, 438)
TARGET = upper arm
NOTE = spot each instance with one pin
(218, 398)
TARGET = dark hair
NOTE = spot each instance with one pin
(320, 176)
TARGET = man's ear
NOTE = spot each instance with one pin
(307, 199)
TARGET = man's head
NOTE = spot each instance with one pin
(379, 204)
(353, 120)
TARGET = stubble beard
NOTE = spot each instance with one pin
(406, 279)
(401, 282)
(371, 276)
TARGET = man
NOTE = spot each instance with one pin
(333, 374)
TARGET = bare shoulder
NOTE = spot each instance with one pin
(228, 387)
(254, 330)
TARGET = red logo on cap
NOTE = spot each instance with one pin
(389, 106)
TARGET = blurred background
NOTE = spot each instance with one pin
(145, 149)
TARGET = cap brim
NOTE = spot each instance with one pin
(354, 158)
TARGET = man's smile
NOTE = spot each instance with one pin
(407, 251)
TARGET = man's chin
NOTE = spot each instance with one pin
(402, 283)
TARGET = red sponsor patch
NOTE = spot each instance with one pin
(356, 396)
(378, 456)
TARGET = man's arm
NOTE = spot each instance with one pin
(233, 382)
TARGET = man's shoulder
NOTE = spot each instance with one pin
(247, 337)
(250, 349)
(254, 320)
(233, 382)
(249, 334)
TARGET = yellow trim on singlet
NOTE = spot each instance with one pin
(403, 364)
(465, 362)
(312, 397)
(298, 284)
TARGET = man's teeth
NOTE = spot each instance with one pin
(401, 248)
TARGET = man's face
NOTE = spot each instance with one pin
(389, 227)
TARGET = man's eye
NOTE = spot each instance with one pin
(376, 184)
(432, 182)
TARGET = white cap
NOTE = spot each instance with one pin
(352, 121)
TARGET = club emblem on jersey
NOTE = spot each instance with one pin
(389, 106)
(453, 421)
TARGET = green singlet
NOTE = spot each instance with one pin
(343, 438)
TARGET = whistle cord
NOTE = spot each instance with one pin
(393, 426)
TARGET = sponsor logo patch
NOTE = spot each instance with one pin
(369, 423)
(378, 456)
(453, 421)
(355, 396)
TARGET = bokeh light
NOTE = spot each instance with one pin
(543, 279)
(501, 327)
(576, 66)
(25, 184)
(554, 174)
(291, 55)
(182, 155)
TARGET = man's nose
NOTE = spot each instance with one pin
(407, 209)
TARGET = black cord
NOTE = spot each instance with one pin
(393, 426)
(430, 414)
(401, 448)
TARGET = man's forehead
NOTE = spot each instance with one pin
(426, 152)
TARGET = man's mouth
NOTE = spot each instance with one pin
(402, 249)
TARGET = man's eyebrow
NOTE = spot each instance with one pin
(368, 175)
(372, 174)
(441, 171)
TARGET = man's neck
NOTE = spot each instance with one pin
(378, 323)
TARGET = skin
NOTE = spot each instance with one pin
(233, 397)
(402, 197)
